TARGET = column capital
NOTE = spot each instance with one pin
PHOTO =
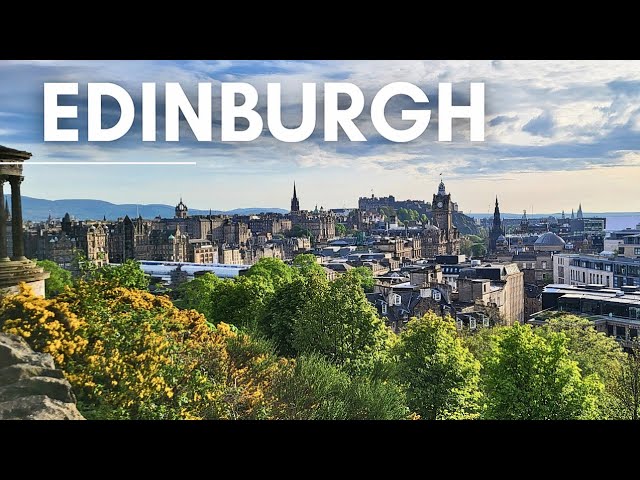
(15, 179)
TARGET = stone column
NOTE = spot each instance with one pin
(16, 218)
(3, 225)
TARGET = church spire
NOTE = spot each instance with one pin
(579, 214)
(295, 203)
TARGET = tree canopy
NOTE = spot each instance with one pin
(440, 374)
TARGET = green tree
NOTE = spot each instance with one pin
(341, 230)
(58, 278)
(532, 377)
(198, 294)
(344, 327)
(594, 351)
(284, 310)
(298, 232)
(126, 275)
(478, 250)
(240, 301)
(317, 390)
(307, 264)
(365, 278)
(439, 373)
(273, 270)
(387, 212)
(626, 390)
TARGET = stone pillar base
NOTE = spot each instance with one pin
(13, 272)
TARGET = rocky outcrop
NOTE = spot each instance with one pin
(30, 386)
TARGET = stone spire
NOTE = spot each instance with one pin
(579, 214)
(295, 203)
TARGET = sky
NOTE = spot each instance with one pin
(557, 133)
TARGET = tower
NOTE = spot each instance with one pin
(579, 214)
(442, 209)
(295, 204)
(181, 210)
(524, 223)
(442, 212)
(496, 228)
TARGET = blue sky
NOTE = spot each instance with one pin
(557, 133)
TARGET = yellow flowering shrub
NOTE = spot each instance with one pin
(48, 325)
(131, 354)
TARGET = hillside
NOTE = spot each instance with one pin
(39, 209)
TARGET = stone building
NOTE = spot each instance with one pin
(320, 223)
(202, 251)
(168, 245)
(229, 255)
(499, 286)
(443, 208)
(61, 241)
(441, 237)
(272, 223)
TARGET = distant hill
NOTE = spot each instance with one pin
(37, 209)
(465, 224)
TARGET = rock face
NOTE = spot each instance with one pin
(30, 386)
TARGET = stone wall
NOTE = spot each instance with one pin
(31, 388)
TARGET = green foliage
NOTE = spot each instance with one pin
(317, 390)
(273, 270)
(364, 276)
(240, 301)
(473, 246)
(306, 264)
(198, 294)
(626, 389)
(478, 250)
(126, 275)
(341, 230)
(344, 327)
(532, 377)
(286, 307)
(298, 232)
(408, 215)
(58, 278)
(595, 353)
(387, 212)
(439, 373)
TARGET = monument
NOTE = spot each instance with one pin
(17, 268)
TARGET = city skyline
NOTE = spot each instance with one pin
(557, 134)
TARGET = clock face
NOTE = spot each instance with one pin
(439, 204)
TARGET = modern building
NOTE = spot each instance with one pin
(606, 270)
(615, 312)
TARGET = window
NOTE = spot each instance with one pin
(384, 308)
(610, 330)
(636, 251)
(620, 332)
(633, 333)
(544, 264)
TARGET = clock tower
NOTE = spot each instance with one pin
(442, 209)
